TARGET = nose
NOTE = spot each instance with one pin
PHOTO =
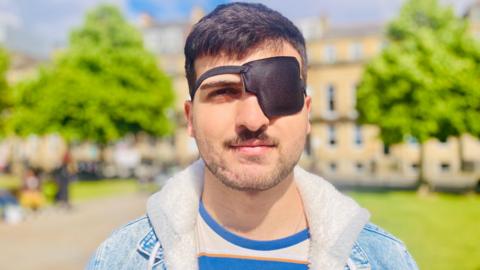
(249, 114)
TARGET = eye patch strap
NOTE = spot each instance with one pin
(217, 71)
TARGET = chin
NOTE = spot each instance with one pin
(250, 187)
(253, 179)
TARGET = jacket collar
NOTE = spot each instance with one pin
(146, 247)
(334, 219)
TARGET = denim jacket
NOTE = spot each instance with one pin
(340, 235)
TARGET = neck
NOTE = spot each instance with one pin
(261, 215)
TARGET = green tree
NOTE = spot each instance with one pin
(103, 86)
(4, 63)
(4, 89)
(425, 83)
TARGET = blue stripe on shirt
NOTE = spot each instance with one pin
(215, 263)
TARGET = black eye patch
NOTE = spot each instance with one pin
(275, 81)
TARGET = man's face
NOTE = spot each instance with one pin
(240, 145)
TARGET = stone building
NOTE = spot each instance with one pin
(166, 40)
(352, 154)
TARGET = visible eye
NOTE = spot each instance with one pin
(224, 92)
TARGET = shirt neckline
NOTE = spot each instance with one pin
(249, 243)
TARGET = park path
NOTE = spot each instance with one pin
(57, 239)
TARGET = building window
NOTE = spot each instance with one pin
(414, 167)
(354, 96)
(373, 166)
(331, 98)
(332, 166)
(393, 166)
(332, 135)
(467, 166)
(356, 51)
(386, 149)
(358, 137)
(308, 145)
(444, 167)
(330, 54)
(359, 166)
(411, 140)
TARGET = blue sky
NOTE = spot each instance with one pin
(169, 10)
(38, 26)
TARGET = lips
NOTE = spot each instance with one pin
(252, 143)
(252, 147)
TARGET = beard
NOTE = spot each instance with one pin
(250, 173)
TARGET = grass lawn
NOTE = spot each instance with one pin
(9, 182)
(80, 190)
(441, 231)
(100, 189)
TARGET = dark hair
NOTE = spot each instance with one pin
(235, 29)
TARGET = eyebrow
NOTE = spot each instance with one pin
(221, 83)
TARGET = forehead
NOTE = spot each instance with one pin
(205, 63)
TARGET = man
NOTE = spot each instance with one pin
(245, 204)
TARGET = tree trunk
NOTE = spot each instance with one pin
(461, 154)
(424, 186)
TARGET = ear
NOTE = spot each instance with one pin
(187, 110)
(308, 107)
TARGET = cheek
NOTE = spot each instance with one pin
(213, 122)
(295, 129)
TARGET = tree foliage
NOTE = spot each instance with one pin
(425, 82)
(102, 87)
(4, 88)
(4, 63)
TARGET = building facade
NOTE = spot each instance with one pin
(351, 154)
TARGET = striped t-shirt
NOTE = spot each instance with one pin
(221, 249)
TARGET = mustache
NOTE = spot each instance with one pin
(246, 135)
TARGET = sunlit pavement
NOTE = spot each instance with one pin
(60, 239)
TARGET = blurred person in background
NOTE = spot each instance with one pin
(246, 204)
(31, 196)
(63, 175)
(10, 210)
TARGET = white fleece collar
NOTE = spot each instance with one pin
(334, 219)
